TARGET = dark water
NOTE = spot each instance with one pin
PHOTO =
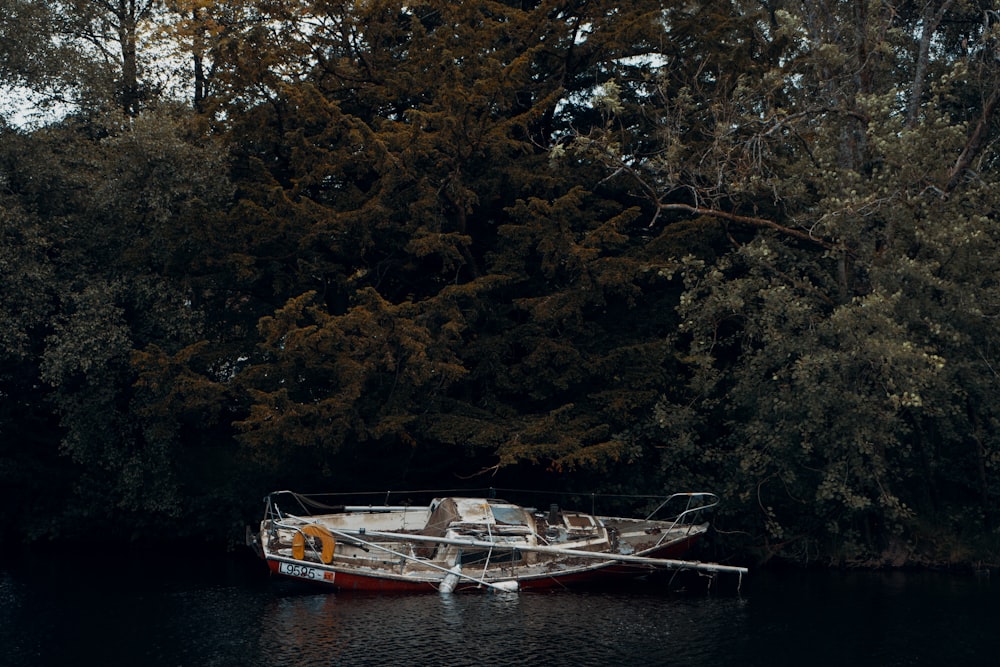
(227, 611)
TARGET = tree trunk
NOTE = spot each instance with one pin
(197, 54)
(126, 16)
(931, 21)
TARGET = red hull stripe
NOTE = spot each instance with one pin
(350, 581)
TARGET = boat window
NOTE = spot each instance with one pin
(577, 522)
(511, 515)
(498, 556)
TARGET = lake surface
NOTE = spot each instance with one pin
(141, 610)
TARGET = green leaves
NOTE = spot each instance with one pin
(832, 371)
(90, 340)
(26, 275)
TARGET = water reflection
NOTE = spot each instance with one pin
(138, 614)
(872, 618)
(496, 629)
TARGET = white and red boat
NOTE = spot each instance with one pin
(456, 543)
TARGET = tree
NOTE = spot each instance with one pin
(724, 244)
(101, 237)
(407, 171)
(83, 55)
(821, 347)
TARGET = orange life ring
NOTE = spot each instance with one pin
(329, 544)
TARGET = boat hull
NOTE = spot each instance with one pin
(345, 579)
(461, 543)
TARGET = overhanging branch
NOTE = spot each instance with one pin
(749, 220)
(975, 143)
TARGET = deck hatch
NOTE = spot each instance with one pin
(510, 515)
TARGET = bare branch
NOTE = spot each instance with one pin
(931, 21)
(975, 142)
(751, 221)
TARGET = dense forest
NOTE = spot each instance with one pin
(745, 246)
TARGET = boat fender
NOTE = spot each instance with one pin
(507, 586)
(327, 543)
(451, 579)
